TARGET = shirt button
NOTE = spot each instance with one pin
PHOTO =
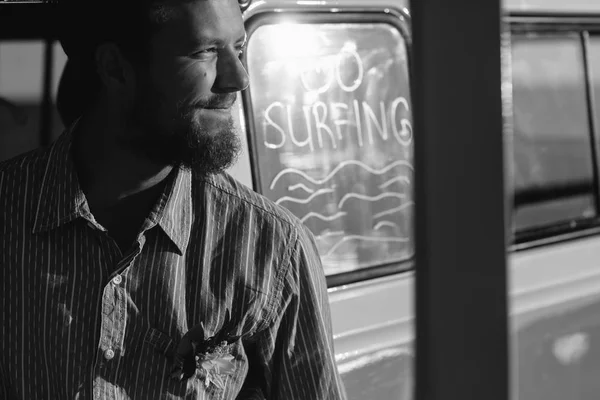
(117, 280)
(109, 354)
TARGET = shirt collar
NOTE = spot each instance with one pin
(173, 212)
(62, 199)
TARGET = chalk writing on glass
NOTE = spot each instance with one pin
(304, 201)
(401, 179)
(334, 136)
(322, 217)
(300, 186)
(393, 210)
(382, 224)
(278, 126)
(337, 169)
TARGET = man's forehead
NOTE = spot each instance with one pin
(182, 22)
(208, 20)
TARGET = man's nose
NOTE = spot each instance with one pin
(231, 74)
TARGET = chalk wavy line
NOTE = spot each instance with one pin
(393, 210)
(322, 217)
(300, 186)
(304, 201)
(365, 238)
(327, 234)
(370, 198)
(336, 170)
(404, 179)
(381, 224)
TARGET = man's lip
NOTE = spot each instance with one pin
(217, 108)
(216, 111)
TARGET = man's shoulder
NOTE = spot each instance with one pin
(19, 167)
(233, 192)
(20, 185)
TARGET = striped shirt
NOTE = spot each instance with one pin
(81, 320)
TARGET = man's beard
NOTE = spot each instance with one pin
(188, 142)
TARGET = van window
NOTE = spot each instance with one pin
(59, 59)
(21, 88)
(553, 175)
(28, 85)
(594, 68)
(331, 123)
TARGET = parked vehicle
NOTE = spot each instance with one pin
(327, 132)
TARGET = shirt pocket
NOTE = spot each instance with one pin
(160, 342)
(256, 308)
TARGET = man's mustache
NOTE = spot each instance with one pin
(225, 100)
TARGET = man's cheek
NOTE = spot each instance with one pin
(198, 79)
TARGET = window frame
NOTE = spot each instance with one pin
(392, 18)
(523, 23)
(35, 21)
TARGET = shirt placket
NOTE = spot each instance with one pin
(112, 326)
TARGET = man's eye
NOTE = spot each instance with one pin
(241, 50)
(206, 52)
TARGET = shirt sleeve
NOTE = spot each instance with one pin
(294, 358)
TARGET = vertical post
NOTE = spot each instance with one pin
(461, 290)
(46, 105)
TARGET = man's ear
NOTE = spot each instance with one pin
(113, 68)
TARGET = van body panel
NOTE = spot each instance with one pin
(555, 289)
(555, 326)
(553, 6)
(557, 355)
(555, 309)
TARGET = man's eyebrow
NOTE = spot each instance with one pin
(243, 38)
(219, 42)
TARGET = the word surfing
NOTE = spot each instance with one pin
(324, 123)
(321, 124)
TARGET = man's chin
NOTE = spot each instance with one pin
(207, 166)
(205, 142)
(212, 122)
(210, 154)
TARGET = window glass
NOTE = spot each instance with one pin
(594, 63)
(333, 137)
(59, 59)
(21, 88)
(552, 149)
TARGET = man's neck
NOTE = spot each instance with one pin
(108, 172)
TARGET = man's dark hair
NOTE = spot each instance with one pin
(84, 25)
(129, 24)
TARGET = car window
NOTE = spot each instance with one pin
(593, 54)
(331, 124)
(21, 88)
(29, 75)
(553, 169)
